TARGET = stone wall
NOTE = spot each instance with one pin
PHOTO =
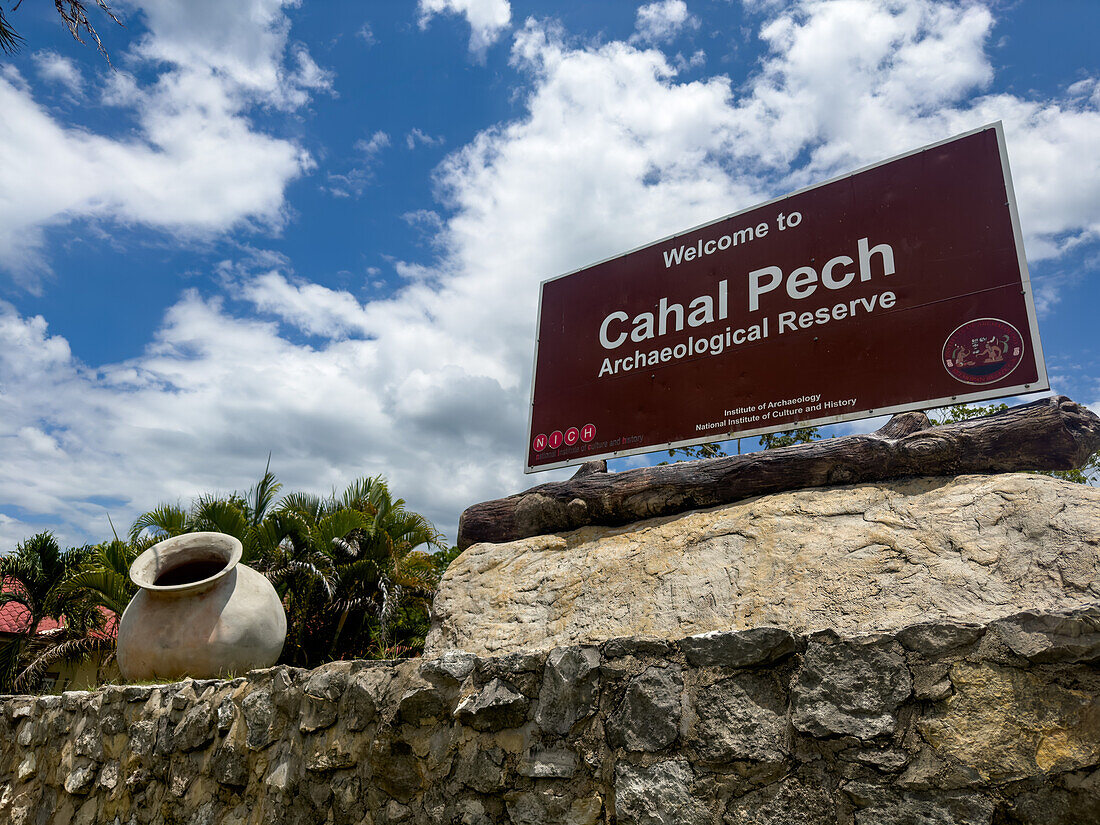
(936, 723)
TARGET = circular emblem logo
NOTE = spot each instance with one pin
(983, 351)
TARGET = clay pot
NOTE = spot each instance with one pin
(199, 612)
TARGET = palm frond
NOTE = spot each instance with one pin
(220, 515)
(309, 506)
(261, 496)
(166, 521)
(78, 649)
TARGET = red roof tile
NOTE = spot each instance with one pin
(14, 618)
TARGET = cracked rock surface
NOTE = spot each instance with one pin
(855, 559)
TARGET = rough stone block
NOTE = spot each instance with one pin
(744, 648)
(648, 717)
(849, 688)
(657, 794)
(740, 718)
(570, 687)
(497, 705)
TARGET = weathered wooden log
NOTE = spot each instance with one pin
(1052, 434)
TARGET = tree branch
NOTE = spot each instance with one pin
(1052, 434)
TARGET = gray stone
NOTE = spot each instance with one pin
(113, 721)
(109, 776)
(789, 802)
(259, 714)
(27, 767)
(451, 666)
(227, 713)
(743, 717)
(1045, 638)
(81, 777)
(469, 812)
(931, 682)
(658, 794)
(282, 774)
(849, 689)
(884, 759)
(481, 769)
(88, 741)
(937, 638)
(648, 717)
(72, 700)
(570, 687)
(548, 763)
(922, 772)
(738, 648)
(20, 708)
(637, 646)
(510, 664)
(497, 705)
(196, 728)
(421, 703)
(914, 809)
(396, 812)
(230, 766)
(322, 691)
(364, 693)
(28, 733)
(330, 757)
(143, 737)
(523, 671)
(328, 681)
(544, 807)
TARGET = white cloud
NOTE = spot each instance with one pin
(375, 144)
(196, 165)
(430, 385)
(487, 18)
(418, 138)
(663, 20)
(360, 175)
(312, 308)
(54, 68)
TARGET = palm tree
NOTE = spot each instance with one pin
(246, 517)
(352, 562)
(393, 542)
(347, 567)
(32, 576)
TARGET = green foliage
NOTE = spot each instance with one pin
(788, 438)
(712, 450)
(964, 412)
(352, 569)
(769, 441)
(32, 575)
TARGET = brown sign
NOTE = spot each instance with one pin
(902, 286)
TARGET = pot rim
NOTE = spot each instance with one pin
(165, 554)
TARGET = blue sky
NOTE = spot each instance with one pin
(317, 230)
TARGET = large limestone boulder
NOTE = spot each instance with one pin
(856, 559)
